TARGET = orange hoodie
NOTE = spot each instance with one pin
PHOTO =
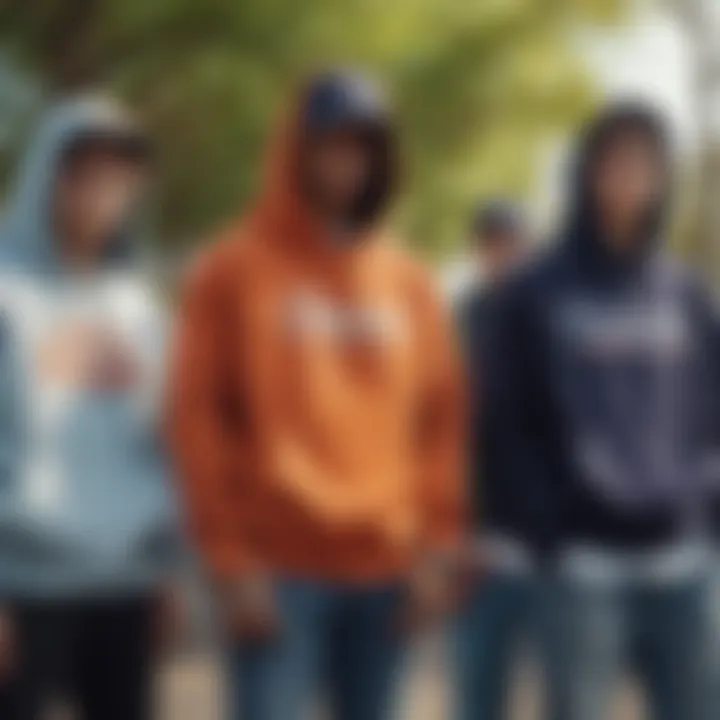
(315, 401)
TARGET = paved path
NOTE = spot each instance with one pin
(191, 691)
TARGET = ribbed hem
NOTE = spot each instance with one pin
(350, 563)
(25, 582)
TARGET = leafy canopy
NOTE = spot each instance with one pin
(479, 86)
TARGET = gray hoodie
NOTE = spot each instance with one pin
(85, 506)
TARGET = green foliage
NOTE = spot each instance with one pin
(479, 85)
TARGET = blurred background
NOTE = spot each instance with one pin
(488, 93)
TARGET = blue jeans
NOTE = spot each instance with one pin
(657, 631)
(713, 645)
(338, 645)
(486, 641)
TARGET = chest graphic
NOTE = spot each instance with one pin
(85, 355)
(655, 330)
(312, 315)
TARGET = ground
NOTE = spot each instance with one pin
(191, 691)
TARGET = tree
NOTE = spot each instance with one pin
(479, 86)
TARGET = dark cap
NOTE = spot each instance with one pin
(131, 145)
(342, 99)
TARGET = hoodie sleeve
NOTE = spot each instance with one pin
(201, 423)
(518, 399)
(442, 428)
(706, 311)
(471, 322)
(10, 436)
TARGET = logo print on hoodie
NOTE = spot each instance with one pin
(86, 356)
(311, 314)
(627, 331)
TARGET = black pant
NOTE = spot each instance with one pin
(94, 656)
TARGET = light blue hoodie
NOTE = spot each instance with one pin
(85, 506)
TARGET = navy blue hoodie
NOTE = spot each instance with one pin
(598, 370)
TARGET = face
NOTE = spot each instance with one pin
(93, 196)
(497, 256)
(337, 167)
(629, 180)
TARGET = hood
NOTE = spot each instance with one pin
(329, 102)
(27, 238)
(582, 224)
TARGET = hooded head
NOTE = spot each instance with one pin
(498, 237)
(335, 165)
(621, 185)
(71, 131)
(498, 220)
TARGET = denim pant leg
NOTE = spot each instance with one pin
(280, 679)
(365, 654)
(712, 645)
(671, 626)
(484, 640)
(583, 648)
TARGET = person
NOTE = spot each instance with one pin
(88, 527)
(501, 593)
(317, 419)
(602, 357)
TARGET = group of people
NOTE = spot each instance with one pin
(350, 462)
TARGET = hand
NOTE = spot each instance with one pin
(114, 369)
(249, 609)
(171, 619)
(8, 643)
(430, 596)
(468, 574)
